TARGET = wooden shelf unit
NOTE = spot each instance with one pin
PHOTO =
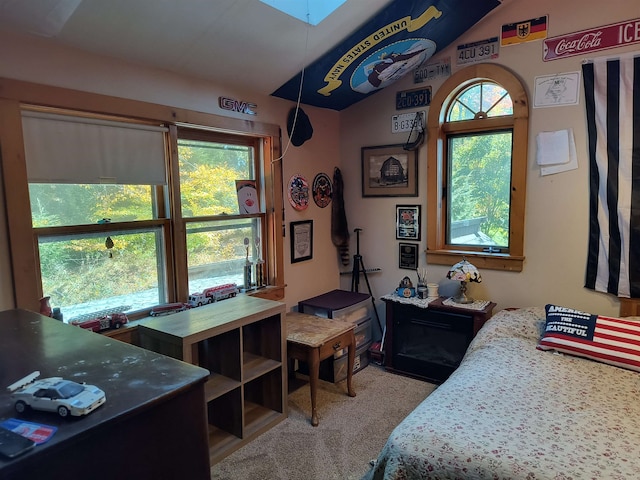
(242, 342)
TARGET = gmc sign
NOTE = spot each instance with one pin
(237, 106)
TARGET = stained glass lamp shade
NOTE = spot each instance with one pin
(464, 272)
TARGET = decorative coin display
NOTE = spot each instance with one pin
(322, 190)
(298, 192)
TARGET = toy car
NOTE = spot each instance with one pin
(169, 308)
(213, 294)
(55, 395)
(113, 320)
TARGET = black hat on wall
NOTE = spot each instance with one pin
(302, 130)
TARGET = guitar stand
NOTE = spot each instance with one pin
(358, 268)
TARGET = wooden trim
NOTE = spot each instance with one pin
(57, 97)
(26, 282)
(23, 245)
(437, 251)
(629, 307)
(486, 261)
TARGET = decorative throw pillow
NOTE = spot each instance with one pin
(615, 341)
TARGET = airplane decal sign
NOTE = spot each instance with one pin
(400, 38)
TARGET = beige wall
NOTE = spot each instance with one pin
(31, 59)
(556, 215)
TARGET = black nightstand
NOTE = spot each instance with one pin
(428, 342)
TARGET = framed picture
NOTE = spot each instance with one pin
(408, 222)
(408, 256)
(301, 240)
(389, 171)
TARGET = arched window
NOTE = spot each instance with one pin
(477, 160)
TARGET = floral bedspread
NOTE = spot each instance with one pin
(513, 412)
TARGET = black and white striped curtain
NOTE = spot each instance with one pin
(612, 98)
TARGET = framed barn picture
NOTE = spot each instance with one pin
(389, 171)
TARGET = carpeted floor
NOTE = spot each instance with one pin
(352, 431)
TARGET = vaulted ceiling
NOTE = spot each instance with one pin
(243, 43)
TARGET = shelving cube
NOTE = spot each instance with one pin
(242, 342)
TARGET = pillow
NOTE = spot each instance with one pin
(615, 341)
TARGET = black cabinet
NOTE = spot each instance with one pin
(429, 342)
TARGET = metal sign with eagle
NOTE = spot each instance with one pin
(396, 41)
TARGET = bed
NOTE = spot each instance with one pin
(514, 411)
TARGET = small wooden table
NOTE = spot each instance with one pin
(312, 339)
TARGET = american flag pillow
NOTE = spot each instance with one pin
(615, 341)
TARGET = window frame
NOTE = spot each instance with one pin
(23, 241)
(190, 133)
(438, 129)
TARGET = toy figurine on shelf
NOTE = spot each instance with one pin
(260, 281)
(405, 288)
(248, 267)
(45, 306)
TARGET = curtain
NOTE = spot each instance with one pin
(612, 99)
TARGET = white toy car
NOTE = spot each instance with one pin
(55, 395)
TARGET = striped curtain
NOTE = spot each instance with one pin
(612, 98)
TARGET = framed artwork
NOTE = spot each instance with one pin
(408, 222)
(389, 171)
(301, 234)
(408, 256)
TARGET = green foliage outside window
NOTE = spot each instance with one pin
(80, 268)
(479, 178)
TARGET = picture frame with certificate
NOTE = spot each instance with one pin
(408, 256)
(408, 223)
(301, 234)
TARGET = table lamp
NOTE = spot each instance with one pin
(464, 272)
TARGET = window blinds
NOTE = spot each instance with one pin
(77, 150)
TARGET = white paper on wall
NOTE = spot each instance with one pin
(556, 152)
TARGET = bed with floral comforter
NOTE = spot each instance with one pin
(511, 411)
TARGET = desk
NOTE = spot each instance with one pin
(312, 339)
(153, 424)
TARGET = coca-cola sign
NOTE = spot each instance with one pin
(585, 41)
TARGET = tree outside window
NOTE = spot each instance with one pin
(477, 147)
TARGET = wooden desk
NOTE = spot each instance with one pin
(153, 424)
(312, 339)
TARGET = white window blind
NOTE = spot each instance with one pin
(68, 149)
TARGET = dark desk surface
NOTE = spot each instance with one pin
(134, 379)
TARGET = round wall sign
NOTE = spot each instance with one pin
(298, 192)
(322, 190)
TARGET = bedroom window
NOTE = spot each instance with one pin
(216, 228)
(477, 148)
(115, 231)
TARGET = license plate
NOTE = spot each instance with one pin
(478, 51)
(420, 97)
(403, 122)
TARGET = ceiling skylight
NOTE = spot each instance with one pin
(311, 11)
